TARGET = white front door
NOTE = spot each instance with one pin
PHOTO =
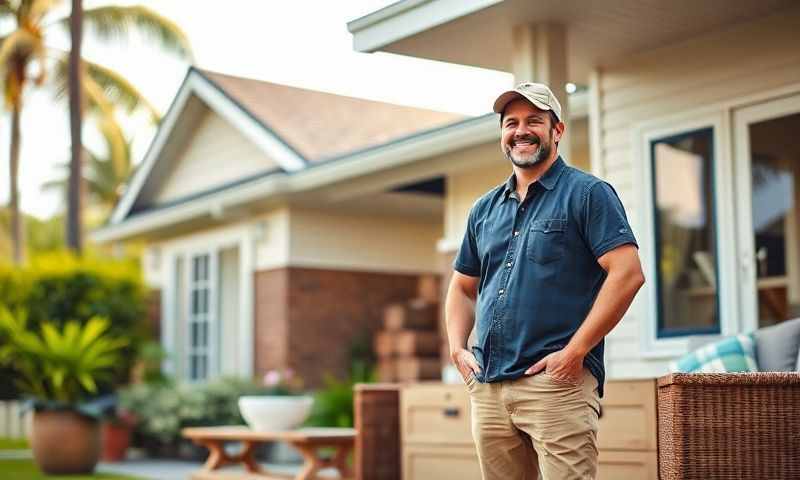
(767, 163)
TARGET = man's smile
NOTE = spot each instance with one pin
(524, 144)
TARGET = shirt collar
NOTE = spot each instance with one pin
(548, 180)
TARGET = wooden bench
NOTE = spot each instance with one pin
(307, 441)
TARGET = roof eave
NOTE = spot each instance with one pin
(405, 18)
(411, 149)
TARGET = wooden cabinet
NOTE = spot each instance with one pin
(627, 438)
(437, 441)
(435, 433)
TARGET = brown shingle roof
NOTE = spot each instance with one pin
(322, 125)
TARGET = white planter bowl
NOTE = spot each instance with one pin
(269, 413)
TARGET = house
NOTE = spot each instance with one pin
(279, 222)
(690, 109)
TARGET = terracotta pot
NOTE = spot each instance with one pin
(116, 440)
(64, 442)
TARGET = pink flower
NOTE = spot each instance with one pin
(272, 378)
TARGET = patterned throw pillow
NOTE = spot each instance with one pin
(732, 354)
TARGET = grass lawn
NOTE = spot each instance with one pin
(27, 470)
(13, 444)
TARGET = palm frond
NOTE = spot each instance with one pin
(19, 47)
(116, 22)
(40, 8)
(116, 89)
(119, 90)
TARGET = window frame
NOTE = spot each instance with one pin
(653, 345)
(713, 220)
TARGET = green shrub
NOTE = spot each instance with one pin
(59, 367)
(333, 405)
(58, 288)
(163, 409)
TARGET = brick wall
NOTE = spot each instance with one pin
(306, 318)
(270, 320)
(328, 308)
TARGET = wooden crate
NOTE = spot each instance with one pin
(414, 315)
(406, 343)
(443, 462)
(408, 369)
(435, 414)
(435, 433)
(377, 423)
(386, 370)
(628, 436)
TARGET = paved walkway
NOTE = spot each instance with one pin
(179, 470)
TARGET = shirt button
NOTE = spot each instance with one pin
(501, 291)
(508, 264)
(516, 233)
(522, 208)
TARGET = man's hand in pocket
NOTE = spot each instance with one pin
(465, 362)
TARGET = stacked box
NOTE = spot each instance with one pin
(408, 346)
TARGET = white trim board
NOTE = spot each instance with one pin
(406, 18)
(196, 84)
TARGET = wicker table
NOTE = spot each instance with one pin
(307, 441)
(731, 426)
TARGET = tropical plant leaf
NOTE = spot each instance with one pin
(116, 89)
(87, 382)
(95, 327)
(111, 22)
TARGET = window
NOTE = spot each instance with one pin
(685, 234)
(200, 318)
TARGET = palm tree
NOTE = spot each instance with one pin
(75, 199)
(104, 176)
(25, 48)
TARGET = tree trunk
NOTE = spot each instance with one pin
(75, 200)
(17, 232)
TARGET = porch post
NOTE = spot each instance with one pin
(540, 55)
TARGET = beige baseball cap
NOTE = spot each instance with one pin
(538, 94)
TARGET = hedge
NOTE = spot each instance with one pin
(60, 287)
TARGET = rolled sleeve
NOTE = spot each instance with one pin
(467, 260)
(605, 224)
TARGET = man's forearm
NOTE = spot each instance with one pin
(612, 302)
(459, 318)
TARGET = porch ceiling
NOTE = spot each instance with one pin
(598, 33)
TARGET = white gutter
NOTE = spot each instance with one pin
(406, 18)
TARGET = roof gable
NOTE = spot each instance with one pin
(293, 127)
(321, 125)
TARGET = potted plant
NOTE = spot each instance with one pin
(59, 370)
(281, 406)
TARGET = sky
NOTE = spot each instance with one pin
(302, 44)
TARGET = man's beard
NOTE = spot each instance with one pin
(541, 153)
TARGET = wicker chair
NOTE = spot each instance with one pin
(729, 426)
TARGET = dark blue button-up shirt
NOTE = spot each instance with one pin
(537, 263)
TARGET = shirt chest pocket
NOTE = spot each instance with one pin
(547, 240)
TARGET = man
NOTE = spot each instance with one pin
(552, 262)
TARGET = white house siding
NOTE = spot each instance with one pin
(215, 154)
(701, 72)
(362, 242)
(464, 187)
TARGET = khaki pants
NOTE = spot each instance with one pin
(533, 424)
